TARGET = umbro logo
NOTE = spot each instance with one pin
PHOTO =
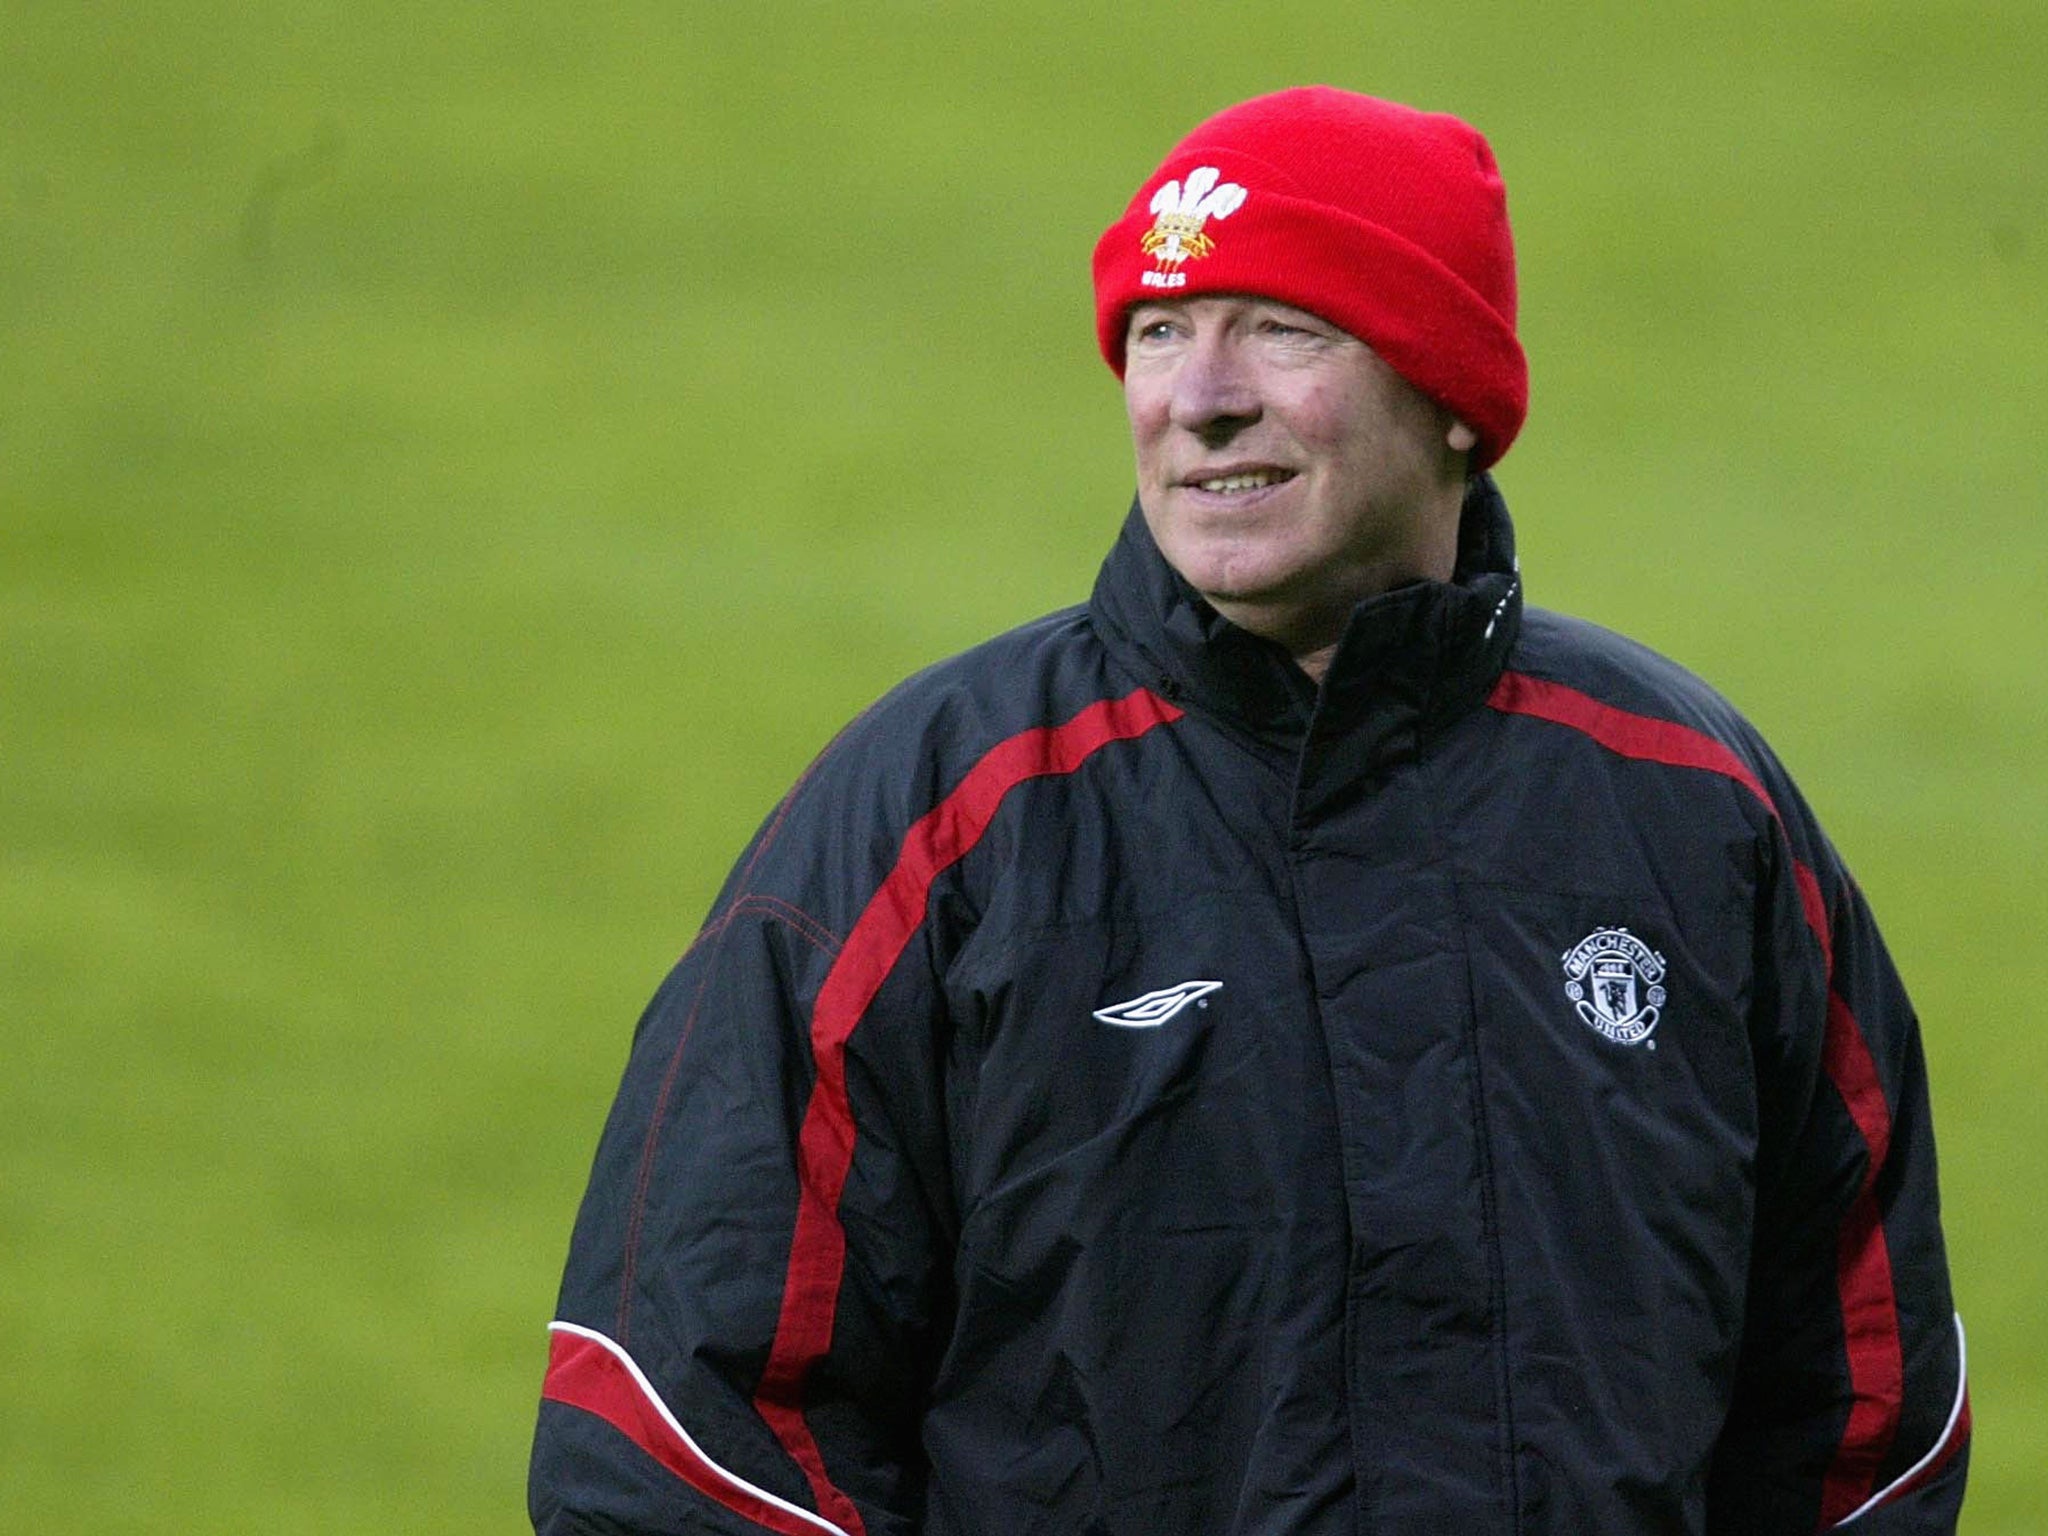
(1155, 1008)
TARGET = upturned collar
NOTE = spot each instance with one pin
(1409, 661)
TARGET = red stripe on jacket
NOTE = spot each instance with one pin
(817, 1258)
(592, 1373)
(1863, 1269)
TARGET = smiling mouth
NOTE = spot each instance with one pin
(1248, 480)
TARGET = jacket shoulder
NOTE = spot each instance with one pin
(1622, 675)
(938, 721)
(842, 824)
(1625, 675)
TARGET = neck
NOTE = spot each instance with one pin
(1316, 662)
(1310, 626)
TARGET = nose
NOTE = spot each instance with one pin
(1213, 392)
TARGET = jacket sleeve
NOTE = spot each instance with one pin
(756, 1284)
(1851, 1405)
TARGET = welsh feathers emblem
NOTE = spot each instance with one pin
(1614, 980)
(1179, 212)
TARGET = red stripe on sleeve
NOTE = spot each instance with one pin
(1877, 1370)
(1863, 1273)
(591, 1373)
(1845, 1055)
(817, 1257)
(1816, 908)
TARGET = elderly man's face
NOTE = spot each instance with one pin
(1285, 470)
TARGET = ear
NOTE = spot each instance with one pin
(1461, 437)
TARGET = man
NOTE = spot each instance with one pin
(1300, 1045)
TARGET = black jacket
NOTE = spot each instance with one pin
(1124, 1088)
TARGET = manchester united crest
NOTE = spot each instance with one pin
(1615, 981)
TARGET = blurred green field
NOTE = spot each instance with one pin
(457, 464)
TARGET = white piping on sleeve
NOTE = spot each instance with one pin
(1955, 1413)
(647, 1390)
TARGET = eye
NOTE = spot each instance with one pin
(1152, 328)
(1284, 328)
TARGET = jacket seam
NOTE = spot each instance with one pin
(797, 921)
(1489, 1195)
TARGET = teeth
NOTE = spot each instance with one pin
(1256, 480)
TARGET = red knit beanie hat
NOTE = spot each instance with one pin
(1386, 221)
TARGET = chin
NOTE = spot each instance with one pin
(1231, 576)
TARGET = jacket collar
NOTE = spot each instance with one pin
(1409, 661)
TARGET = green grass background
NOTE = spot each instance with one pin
(458, 462)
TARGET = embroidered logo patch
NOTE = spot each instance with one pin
(1155, 1008)
(1615, 981)
(1178, 214)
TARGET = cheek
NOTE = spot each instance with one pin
(1349, 438)
(1145, 410)
(1145, 393)
(1314, 418)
